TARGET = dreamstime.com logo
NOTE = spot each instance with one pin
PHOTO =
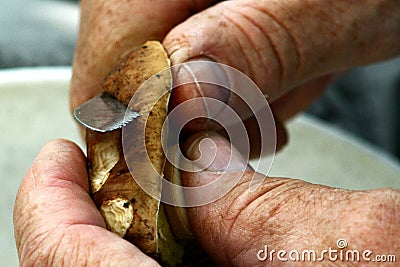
(243, 100)
(340, 253)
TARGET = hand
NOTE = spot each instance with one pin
(56, 222)
(287, 214)
(279, 44)
(290, 49)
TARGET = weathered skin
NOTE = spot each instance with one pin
(289, 214)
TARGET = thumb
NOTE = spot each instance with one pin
(55, 221)
(282, 44)
(283, 214)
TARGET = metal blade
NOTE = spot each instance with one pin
(104, 113)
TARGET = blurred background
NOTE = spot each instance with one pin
(37, 32)
(34, 34)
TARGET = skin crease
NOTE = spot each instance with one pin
(281, 48)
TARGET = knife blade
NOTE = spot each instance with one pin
(104, 113)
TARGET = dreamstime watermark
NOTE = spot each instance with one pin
(244, 100)
(339, 253)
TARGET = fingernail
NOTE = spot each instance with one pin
(204, 81)
(212, 152)
(206, 69)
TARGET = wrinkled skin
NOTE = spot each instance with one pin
(282, 45)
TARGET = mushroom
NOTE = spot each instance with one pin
(159, 230)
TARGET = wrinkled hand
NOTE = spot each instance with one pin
(287, 214)
(57, 224)
(278, 44)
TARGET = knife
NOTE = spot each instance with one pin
(104, 113)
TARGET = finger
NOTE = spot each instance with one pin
(202, 100)
(56, 222)
(111, 28)
(281, 44)
(286, 214)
